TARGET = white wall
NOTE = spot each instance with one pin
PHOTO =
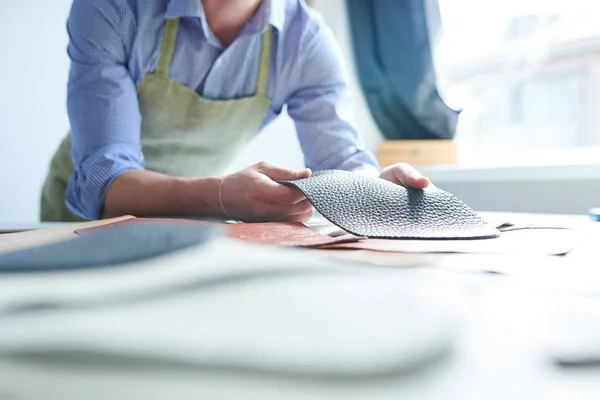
(33, 73)
(559, 196)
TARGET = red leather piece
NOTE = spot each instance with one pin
(289, 234)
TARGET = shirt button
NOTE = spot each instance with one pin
(219, 63)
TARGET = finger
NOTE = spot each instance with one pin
(281, 174)
(277, 193)
(417, 182)
(285, 210)
(303, 207)
(401, 172)
(408, 176)
(303, 217)
(294, 218)
(280, 212)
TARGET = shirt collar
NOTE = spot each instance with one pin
(270, 12)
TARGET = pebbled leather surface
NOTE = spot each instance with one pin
(372, 207)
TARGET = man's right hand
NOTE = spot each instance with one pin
(253, 195)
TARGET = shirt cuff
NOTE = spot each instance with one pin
(87, 187)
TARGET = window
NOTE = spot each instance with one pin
(525, 73)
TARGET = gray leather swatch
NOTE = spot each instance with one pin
(375, 208)
(119, 245)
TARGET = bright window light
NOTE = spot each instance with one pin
(526, 75)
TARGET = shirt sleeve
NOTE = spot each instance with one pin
(322, 110)
(102, 104)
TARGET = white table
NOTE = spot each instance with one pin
(505, 349)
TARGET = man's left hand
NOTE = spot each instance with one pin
(405, 175)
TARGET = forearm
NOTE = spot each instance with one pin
(145, 193)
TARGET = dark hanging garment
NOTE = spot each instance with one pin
(396, 72)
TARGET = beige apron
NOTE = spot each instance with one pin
(182, 133)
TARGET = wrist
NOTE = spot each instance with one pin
(200, 196)
(221, 201)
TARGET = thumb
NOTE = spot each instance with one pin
(282, 174)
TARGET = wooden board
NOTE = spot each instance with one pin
(417, 152)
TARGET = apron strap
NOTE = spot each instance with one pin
(265, 63)
(167, 47)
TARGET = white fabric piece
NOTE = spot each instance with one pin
(321, 319)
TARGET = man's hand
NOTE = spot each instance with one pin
(405, 175)
(254, 195)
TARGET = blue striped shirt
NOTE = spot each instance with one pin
(114, 43)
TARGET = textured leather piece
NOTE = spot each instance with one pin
(288, 234)
(108, 247)
(372, 207)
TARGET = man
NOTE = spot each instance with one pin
(164, 94)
